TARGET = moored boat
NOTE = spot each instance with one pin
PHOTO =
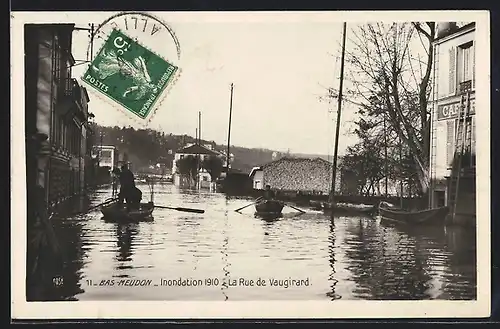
(316, 205)
(269, 208)
(349, 208)
(436, 216)
(116, 212)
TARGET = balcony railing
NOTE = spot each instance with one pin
(465, 86)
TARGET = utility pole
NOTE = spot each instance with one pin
(199, 126)
(339, 104)
(91, 41)
(91, 31)
(100, 145)
(229, 132)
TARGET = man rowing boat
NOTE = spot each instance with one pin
(268, 195)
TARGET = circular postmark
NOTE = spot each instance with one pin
(132, 64)
(150, 30)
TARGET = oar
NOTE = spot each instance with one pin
(302, 211)
(198, 211)
(94, 207)
(248, 205)
(251, 204)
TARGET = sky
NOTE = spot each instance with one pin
(279, 70)
(280, 66)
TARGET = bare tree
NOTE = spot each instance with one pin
(387, 77)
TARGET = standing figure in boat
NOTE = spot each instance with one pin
(134, 199)
(128, 191)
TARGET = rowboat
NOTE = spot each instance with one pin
(436, 216)
(116, 212)
(269, 208)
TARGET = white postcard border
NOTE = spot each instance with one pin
(262, 309)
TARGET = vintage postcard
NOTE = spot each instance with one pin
(250, 164)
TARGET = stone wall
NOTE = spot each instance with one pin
(298, 174)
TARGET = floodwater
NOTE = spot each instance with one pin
(225, 255)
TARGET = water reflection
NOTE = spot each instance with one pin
(125, 235)
(331, 250)
(386, 264)
(349, 257)
(225, 256)
(70, 233)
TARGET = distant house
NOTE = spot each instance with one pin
(203, 151)
(304, 175)
(257, 176)
(107, 156)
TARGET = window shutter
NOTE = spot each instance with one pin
(450, 141)
(467, 64)
(453, 69)
(473, 54)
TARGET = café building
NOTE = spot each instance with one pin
(453, 131)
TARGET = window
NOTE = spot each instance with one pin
(440, 198)
(455, 139)
(465, 62)
(55, 67)
(57, 63)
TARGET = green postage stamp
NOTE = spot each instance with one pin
(130, 74)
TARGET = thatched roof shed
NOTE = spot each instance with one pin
(299, 174)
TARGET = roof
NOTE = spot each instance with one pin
(289, 159)
(455, 32)
(105, 147)
(197, 149)
(254, 170)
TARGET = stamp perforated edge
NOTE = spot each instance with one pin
(118, 107)
(145, 14)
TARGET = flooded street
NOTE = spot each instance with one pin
(239, 257)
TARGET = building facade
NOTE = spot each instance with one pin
(56, 108)
(453, 128)
(106, 156)
(203, 152)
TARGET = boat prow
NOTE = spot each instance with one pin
(436, 216)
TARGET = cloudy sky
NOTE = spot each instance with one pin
(280, 66)
(279, 70)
